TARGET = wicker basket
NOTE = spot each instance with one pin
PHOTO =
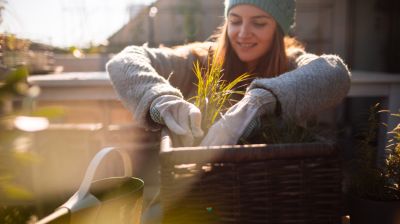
(282, 183)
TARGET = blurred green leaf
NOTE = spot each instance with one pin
(26, 158)
(15, 192)
(15, 83)
(48, 112)
(19, 74)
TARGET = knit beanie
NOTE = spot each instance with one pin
(281, 10)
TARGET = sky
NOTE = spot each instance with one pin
(66, 23)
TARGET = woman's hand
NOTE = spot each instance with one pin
(180, 116)
(234, 123)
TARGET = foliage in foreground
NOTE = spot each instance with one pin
(12, 157)
(15, 155)
(369, 178)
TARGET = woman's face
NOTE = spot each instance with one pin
(250, 32)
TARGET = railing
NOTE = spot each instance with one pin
(97, 86)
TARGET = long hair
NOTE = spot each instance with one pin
(271, 64)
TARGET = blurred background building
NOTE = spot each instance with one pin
(170, 22)
(363, 32)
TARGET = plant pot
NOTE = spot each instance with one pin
(281, 183)
(364, 211)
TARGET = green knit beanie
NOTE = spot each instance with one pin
(282, 10)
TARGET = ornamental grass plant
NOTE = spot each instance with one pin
(214, 94)
(392, 171)
(371, 179)
(275, 130)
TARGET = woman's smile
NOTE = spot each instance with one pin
(250, 32)
(246, 46)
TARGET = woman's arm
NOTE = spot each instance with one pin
(139, 75)
(316, 84)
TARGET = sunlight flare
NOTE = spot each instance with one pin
(31, 124)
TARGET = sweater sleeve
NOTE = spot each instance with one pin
(140, 74)
(318, 83)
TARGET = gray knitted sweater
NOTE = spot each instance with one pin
(141, 74)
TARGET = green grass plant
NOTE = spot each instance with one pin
(214, 94)
(275, 130)
(392, 162)
(371, 179)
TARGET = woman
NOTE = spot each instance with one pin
(290, 83)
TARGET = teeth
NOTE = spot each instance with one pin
(246, 45)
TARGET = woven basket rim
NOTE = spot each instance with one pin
(242, 153)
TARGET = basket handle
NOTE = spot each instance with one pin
(90, 172)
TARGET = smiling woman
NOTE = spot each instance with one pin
(289, 83)
(251, 32)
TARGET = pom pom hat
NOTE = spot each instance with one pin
(282, 11)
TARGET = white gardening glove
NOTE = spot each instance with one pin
(180, 116)
(234, 122)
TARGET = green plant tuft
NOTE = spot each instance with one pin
(275, 130)
(213, 93)
(372, 180)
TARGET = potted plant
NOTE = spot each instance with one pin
(375, 187)
(284, 182)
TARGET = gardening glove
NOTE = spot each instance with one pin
(180, 116)
(239, 117)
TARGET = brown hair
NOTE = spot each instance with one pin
(273, 63)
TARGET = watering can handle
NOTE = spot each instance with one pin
(82, 197)
(90, 172)
(94, 164)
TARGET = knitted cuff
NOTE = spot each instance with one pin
(156, 116)
(254, 125)
(265, 99)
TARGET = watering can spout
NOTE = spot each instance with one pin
(60, 215)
